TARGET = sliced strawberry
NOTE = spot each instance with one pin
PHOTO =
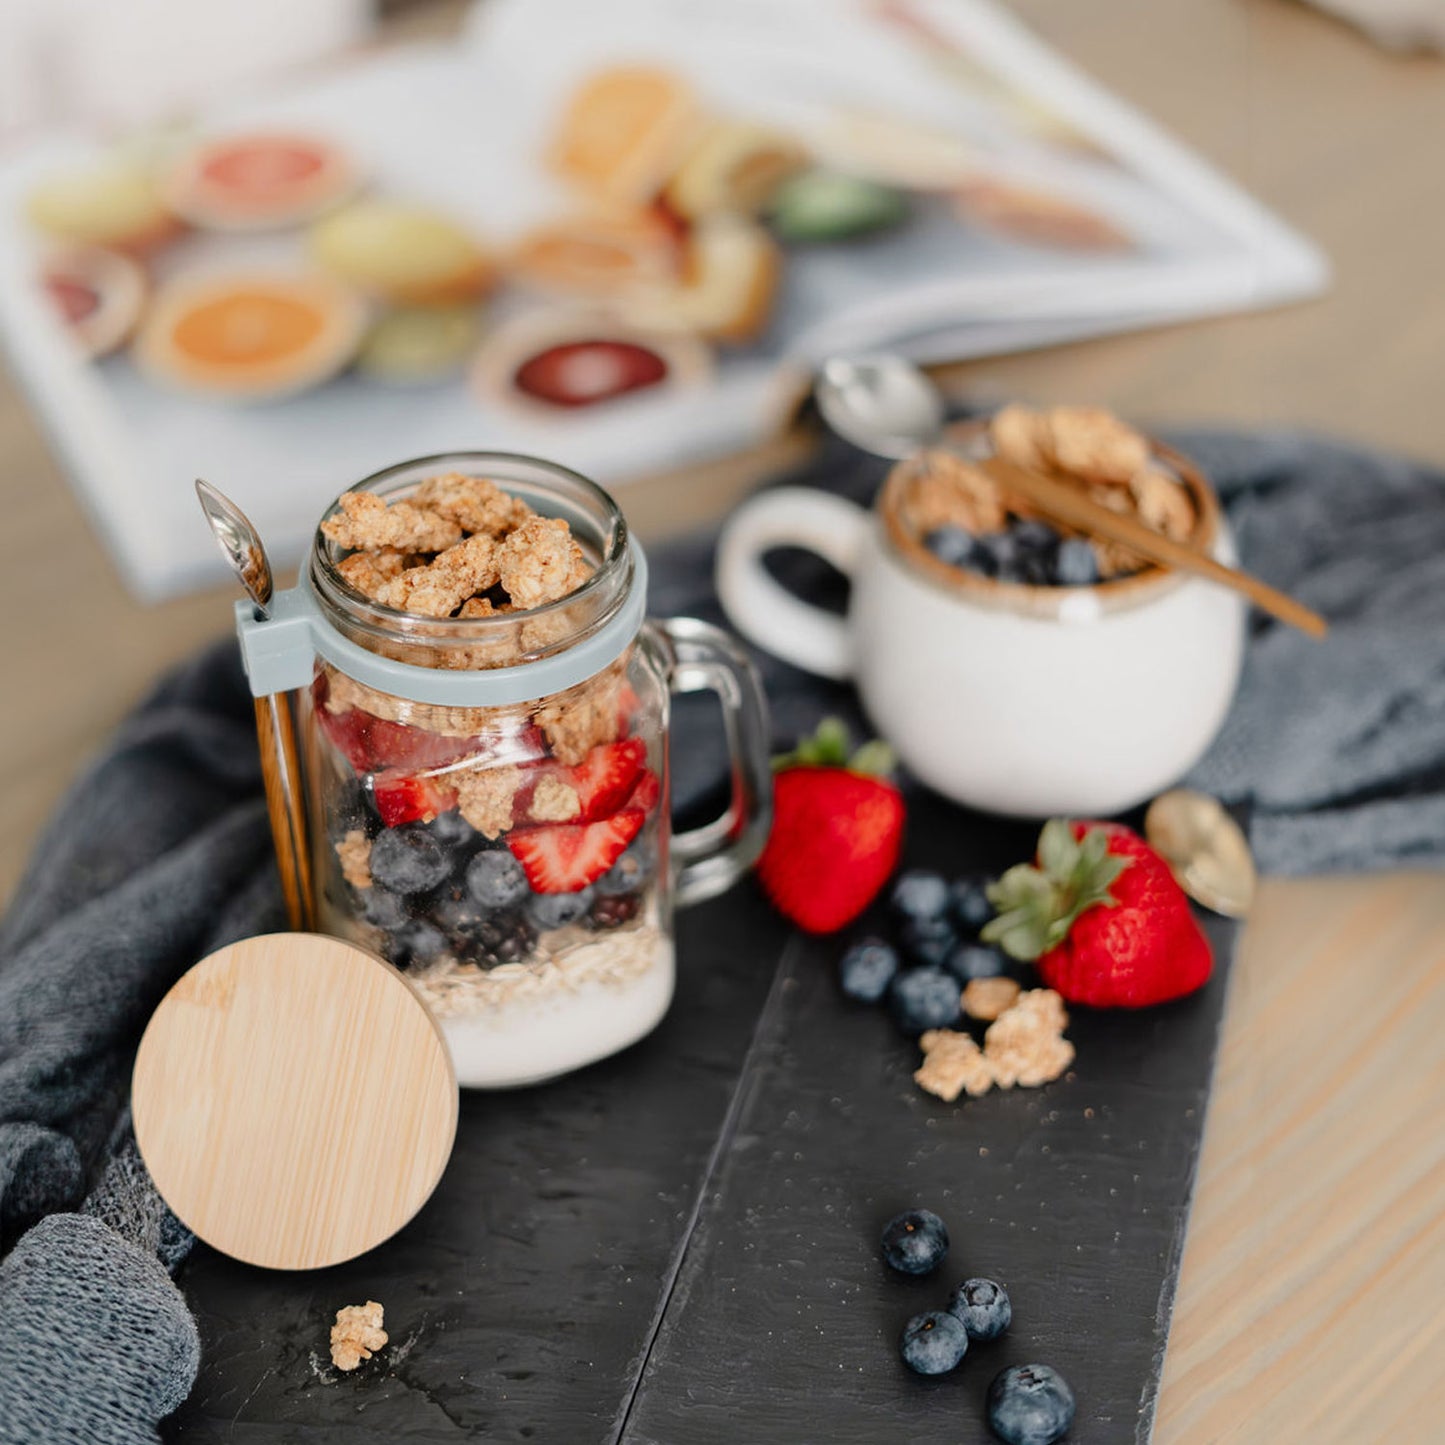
(409, 749)
(566, 857)
(646, 793)
(348, 733)
(605, 777)
(405, 798)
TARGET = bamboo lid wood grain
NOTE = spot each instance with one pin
(294, 1101)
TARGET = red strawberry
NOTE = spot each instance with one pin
(837, 831)
(605, 777)
(415, 750)
(406, 797)
(566, 857)
(1104, 918)
(647, 792)
(348, 733)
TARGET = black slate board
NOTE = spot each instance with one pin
(679, 1245)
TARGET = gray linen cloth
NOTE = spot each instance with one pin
(161, 854)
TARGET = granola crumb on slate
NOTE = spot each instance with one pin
(357, 1334)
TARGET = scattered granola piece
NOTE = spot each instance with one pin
(947, 491)
(1026, 1045)
(987, 998)
(952, 1064)
(439, 588)
(554, 801)
(354, 853)
(1164, 505)
(366, 521)
(474, 503)
(486, 796)
(1094, 444)
(539, 562)
(369, 572)
(357, 1334)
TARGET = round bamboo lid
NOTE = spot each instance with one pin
(294, 1101)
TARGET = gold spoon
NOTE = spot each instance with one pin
(1204, 848)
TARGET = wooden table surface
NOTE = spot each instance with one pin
(1309, 1306)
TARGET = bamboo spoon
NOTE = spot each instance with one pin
(887, 406)
(241, 545)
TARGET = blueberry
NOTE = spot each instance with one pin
(951, 545)
(924, 998)
(629, 873)
(1035, 570)
(452, 830)
(408, 860)
(1002, 551)
(556, 910)
(495, 879)
(454, 911)
(1034, 536)
(381, 907)
(969, 903)
(416, 941)
(976, 960)
(915, 1242)
(867, 969)
(1030, 1405)
(928, 942)
(348, 811)
(933, 1343)
(1076, 565)
(982, 1307)
(919, 894)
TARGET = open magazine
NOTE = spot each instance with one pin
(1015, 204)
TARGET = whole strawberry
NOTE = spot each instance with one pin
(837, 830)
(1101, 914)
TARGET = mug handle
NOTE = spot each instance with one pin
(765, 612)
(702, 658)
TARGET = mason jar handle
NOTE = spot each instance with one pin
(704, 658)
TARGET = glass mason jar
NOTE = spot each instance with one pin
(486, 798)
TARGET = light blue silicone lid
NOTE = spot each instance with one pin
(280, 653)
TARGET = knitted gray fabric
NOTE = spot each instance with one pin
(161, 854)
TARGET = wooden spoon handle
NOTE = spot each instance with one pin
(282, 776)
(1066, 504)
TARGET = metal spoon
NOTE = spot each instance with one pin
(1204, 848)
(885, 405)
(241, 545)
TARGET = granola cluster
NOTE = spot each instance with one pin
(1086, 446)
(357, 1334)
(460, 546)
(1024, 1045)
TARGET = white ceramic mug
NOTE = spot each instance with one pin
(1032, 701)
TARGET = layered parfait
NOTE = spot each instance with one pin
(511, 860)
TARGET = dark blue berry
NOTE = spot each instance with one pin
(1076, 564)
(934, 1343)
(951, 545)
(500, 938)
(382, 908)
(1035, 570)
(924, 998)
(1030, 1405)
(1001, 551)
(969, 900)
(416, 941)
(1034, 536)
(408, 860)
(866, 970)
(629, 873)
(919, 894)
(556, 910)
(452, 830)
(495, 879)
(928, 942)
(982, 1307)
(915, 1242)
(976, 960)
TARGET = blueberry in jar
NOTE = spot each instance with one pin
(453, 831)
(557, 910)
(951, 545)
(382, 908)
(1076, 564)
(933, 1343)
(1030, 1405)
(983, 1308)
(915, 1242)
(416, 941)
(629, 873)
(866, 969)
(408, 860)
(495, 879)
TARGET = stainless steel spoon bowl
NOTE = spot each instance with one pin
(882, 403)
(240, 544)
